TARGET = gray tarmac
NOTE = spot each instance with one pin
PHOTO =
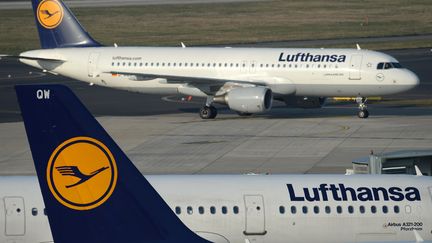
(168, 137)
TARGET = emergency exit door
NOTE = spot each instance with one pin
(92, 64)
(255, 216)
(355, 67)
(15, 216)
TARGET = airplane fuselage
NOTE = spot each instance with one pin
(258, 208)
(300, 72)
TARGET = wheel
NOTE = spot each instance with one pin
(363, 114)
(214, 112)
(208, 112)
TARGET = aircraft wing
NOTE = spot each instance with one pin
(185, 79)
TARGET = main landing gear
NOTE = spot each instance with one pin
(363, 112)
(208, 111)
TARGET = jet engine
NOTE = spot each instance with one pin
(247, 100)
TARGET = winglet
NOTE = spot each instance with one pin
(358, 47)
(183, 45)
(418, 171)
(116, 205)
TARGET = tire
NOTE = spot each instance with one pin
(214, 112)
(363, 114)
(208, 112)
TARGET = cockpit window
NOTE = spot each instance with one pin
(380, 65)
(396, 65)
(388, 65)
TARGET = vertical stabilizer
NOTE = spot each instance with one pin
(92, 191)
(58, 27)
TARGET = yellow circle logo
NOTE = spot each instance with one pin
(50, 13)
(82, 173)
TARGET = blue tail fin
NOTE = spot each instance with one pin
(58, 27)
(92, 191)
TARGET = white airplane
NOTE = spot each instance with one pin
(93, 193)
(245, 79)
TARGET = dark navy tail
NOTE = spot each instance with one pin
(92, 191)
(58, 27)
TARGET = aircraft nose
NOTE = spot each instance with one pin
(412, 79)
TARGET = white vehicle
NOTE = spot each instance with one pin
(245, 79)
(93, 193)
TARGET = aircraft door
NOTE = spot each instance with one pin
(15, 216)
(255, 217)
(355, 67)
(92, 64)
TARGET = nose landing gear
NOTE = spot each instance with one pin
(363, 112)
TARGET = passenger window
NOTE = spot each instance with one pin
(284, 65)
(34, 211)
(212, 210)
(189, 210)
(224, 210)
(267, 65)
(112, 64)
(362, 209)
(373, 209)
(339, 209)
(236, 210)
(163, 64)
(135, 64)
(201, 210)
(220, 64)
(327, 209)
(316, 209)
(385, 209)
(278, 66)
(261, 65)
(129, 64)
(293, 209)
(178, 210)
(350, 209)
(282, 210)
(305, 209)
(396, 209)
